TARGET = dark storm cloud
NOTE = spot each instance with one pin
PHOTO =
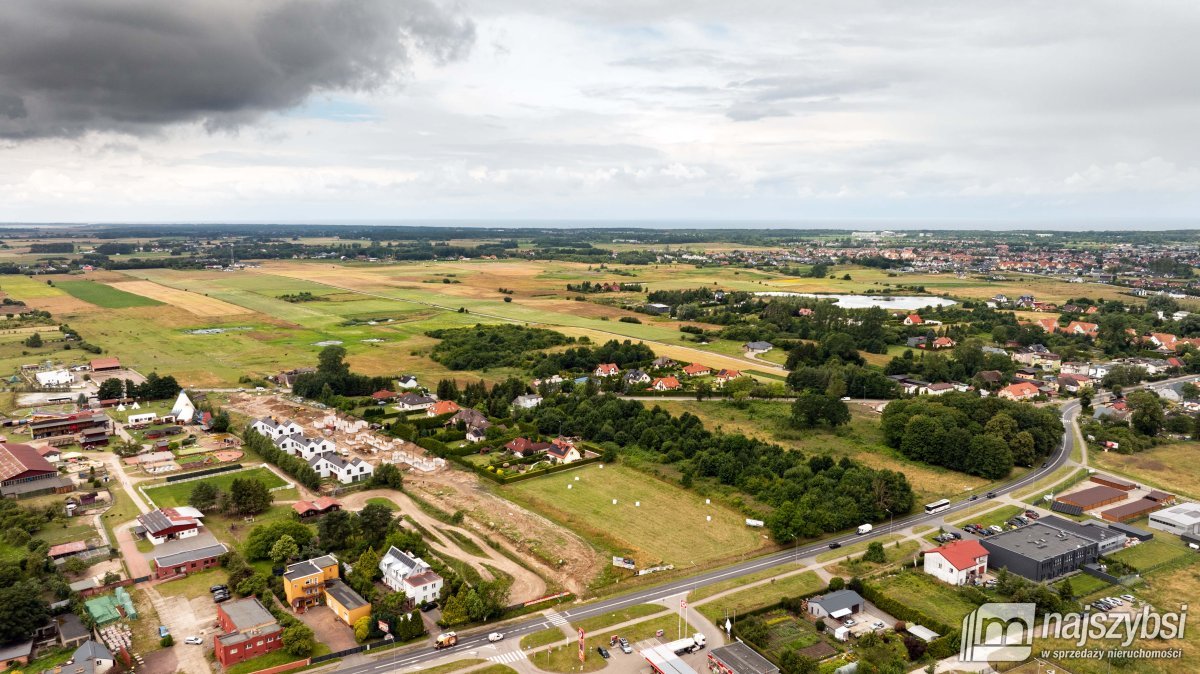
(134, 66)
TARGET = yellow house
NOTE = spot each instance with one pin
(345, 603)
(304, 582)
(315, 582)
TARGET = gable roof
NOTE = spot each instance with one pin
(961, 554)
(16, 458)
(836, 601)
(695, 368)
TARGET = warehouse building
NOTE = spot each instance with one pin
(1039, 551)
(1182, 519)
(1127, 512)
(1088, 499)
(1107, 539)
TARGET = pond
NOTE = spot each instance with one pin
(903, 302)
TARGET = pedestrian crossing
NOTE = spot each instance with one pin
(556, 619)
(508, 658)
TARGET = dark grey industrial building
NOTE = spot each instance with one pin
(1107, 538)
(1039, 551)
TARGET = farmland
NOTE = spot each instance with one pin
(668, 526)
(761, 595)
(927, 595)
(106, 296)
(1172, 467)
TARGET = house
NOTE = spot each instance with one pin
(316, 508)
(474, 421)
(552, 380)
(696, 370)
(1046, 324)
(442, 407)
(51, 454)
(524, 447)
(409, 574)
(305, 447)
(15, 655)
(527, 402)
(606, 370)
(407, 382)
(67, 424)
(1082, 328)
(753, 348)
(635, 377)
(91, 658)
(665, 384)
(71, 631)
(915, 342)
(345, 603)
(270, 428)
(562, 450)
(248, 631)
(345, 471)
(837, 605)
(304, 582)
(411, 402)
(1019, 391)
(724, 376)
(23, 471)
(662, 362)
(957, 562)
(105, 364)
(384, 396)
(943, 343)
(913, 319)
(188, 561)
(1073, 383)
(940, 388)
(55, 378)
(656, 309)
(990, 377)
(170, 524)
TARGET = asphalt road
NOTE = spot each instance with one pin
(475, 644)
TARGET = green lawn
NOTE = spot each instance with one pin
(893, 555)
(454, 666)
(196, 584)
(761, 595)
(270, 660)
(541, 638)
(105, 296)
(1151, 553)
(168, 495)
(717, 588)
(927, 595)
(1083, 585)
(385, 502)
(617, 617)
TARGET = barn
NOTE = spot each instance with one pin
(105, 364)
(23, 472)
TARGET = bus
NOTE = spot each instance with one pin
(937, 506)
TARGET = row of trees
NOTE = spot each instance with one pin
(154, 388)
(334, 378)
(245, 496)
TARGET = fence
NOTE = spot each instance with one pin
(196, 474)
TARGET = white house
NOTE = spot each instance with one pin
(407, 381)
(527, 402)
(403, 572)
(957, 562)
(346, 472)
(411, 402)
(563, 451)
(275, 429)
(305, 447)
(92, 658)
(55, 378)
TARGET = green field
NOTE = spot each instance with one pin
(105, 296)
(761, 595)
(168, 495)
(1152, 553)
(1172, 467)
(927, 595)
(668, 527)
(617, 617)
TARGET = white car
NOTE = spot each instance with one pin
(877, 625)
(849, 622)
(196, 641)
(495, 636)
(1127, 597)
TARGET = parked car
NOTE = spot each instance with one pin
(1128, 597)
(163, 631)
(495, 636)
(195, 641)
(603, 652)
(955, 535)
(996, 528)
(1031, 514)
(626, 648)
(217, 599)
(218, 588)
(877, 625)
(428, 606)
(849, 622)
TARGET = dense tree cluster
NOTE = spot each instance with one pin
(980, 436)
(811, 495)
(154, 388)
(487, 346)
(334, 378)
(625, 354)
(246, 496)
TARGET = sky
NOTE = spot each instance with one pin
(541, 110)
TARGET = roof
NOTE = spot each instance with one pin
(247, 613)
(195, 555)
(742, 659)
(404, 559)
(168, 518)
(309, 567)
(835, 601)
(444, 407)
(1023, 388)
(961, 554)
(105, 363)
(414, 399)
(16, 459)
(1037, 541)
(70, 627)
(1113, 481)
(1090, 530)
(420, 579)
(759, 345)
(344, 595)
(695, 367)
(86, 655)
(66, 548)
(17, 650)
(1093, 496)
(1184, 514)
(922, 633)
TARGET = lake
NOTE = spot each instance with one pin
(903, 302)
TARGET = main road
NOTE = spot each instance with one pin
(476, 644)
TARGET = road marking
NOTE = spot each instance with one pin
(556, 619)
(509, 657)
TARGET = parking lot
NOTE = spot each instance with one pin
(329, 629)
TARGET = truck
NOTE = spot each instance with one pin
(864, 528)
(445, 640)
(687, 645)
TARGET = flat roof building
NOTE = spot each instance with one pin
(1179, 519)
(1114, 482)
(1107, 538)
(1039, 551)
(1092, 497)
(738, 658)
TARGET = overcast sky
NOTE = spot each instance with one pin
(326, 110)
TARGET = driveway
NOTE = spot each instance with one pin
(329, 629)
(134, 561)
(185, 618)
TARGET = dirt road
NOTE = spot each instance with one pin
(526, 584)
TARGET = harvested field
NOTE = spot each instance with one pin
(191, 302)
